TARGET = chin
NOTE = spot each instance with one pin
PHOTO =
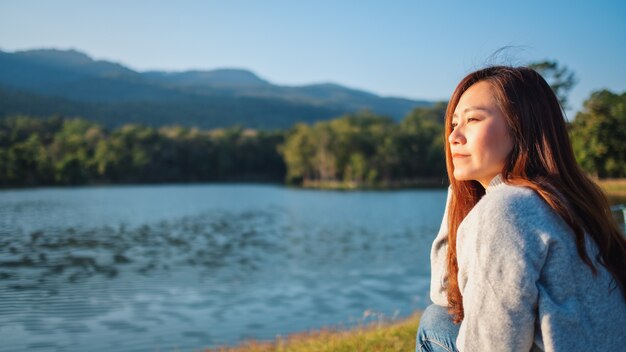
(460, 176)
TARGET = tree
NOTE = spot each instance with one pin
(298, 151)
(364, 147)
(421, 141)
(324, 159)
(560, 78)
(598, 134)
(71, 151)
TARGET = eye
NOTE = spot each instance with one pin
(453, 125)
(472, 119)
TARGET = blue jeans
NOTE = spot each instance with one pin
(437, 332)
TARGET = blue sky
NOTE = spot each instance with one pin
(414, 49)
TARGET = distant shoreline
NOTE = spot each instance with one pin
(390, 185)
(615, 189)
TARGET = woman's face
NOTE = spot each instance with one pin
(480, 140)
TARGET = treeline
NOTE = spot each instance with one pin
(368, 150)
(356, 150)
(60, 151)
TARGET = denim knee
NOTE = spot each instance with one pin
(437, 332)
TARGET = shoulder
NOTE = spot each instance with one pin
(511, 226)
(514, 214)
(513, 203)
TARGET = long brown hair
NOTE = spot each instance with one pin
(542, 159)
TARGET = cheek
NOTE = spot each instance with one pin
(496, 144)
(501, 145)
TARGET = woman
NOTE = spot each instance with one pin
(528, 257)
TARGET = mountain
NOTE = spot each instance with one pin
(48, 81)
(216, 78)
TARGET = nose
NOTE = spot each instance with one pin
(456, 136)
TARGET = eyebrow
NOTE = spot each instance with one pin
(470, 108)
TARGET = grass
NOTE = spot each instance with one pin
(616, 185)
(398, 335)
(615, 189)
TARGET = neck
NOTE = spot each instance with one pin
(496, 181)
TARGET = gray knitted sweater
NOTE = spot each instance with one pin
(523, 283)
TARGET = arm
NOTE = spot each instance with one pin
(438, 261)
(502, 255)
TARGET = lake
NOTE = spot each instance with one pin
(184, 267)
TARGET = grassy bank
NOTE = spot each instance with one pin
(377, 337)
(615, 189)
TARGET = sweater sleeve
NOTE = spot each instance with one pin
(502, 256)
(438, 254)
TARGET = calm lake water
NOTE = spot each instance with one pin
(183, 267)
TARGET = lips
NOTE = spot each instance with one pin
(458, 155)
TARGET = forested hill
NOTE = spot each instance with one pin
(67, 82)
